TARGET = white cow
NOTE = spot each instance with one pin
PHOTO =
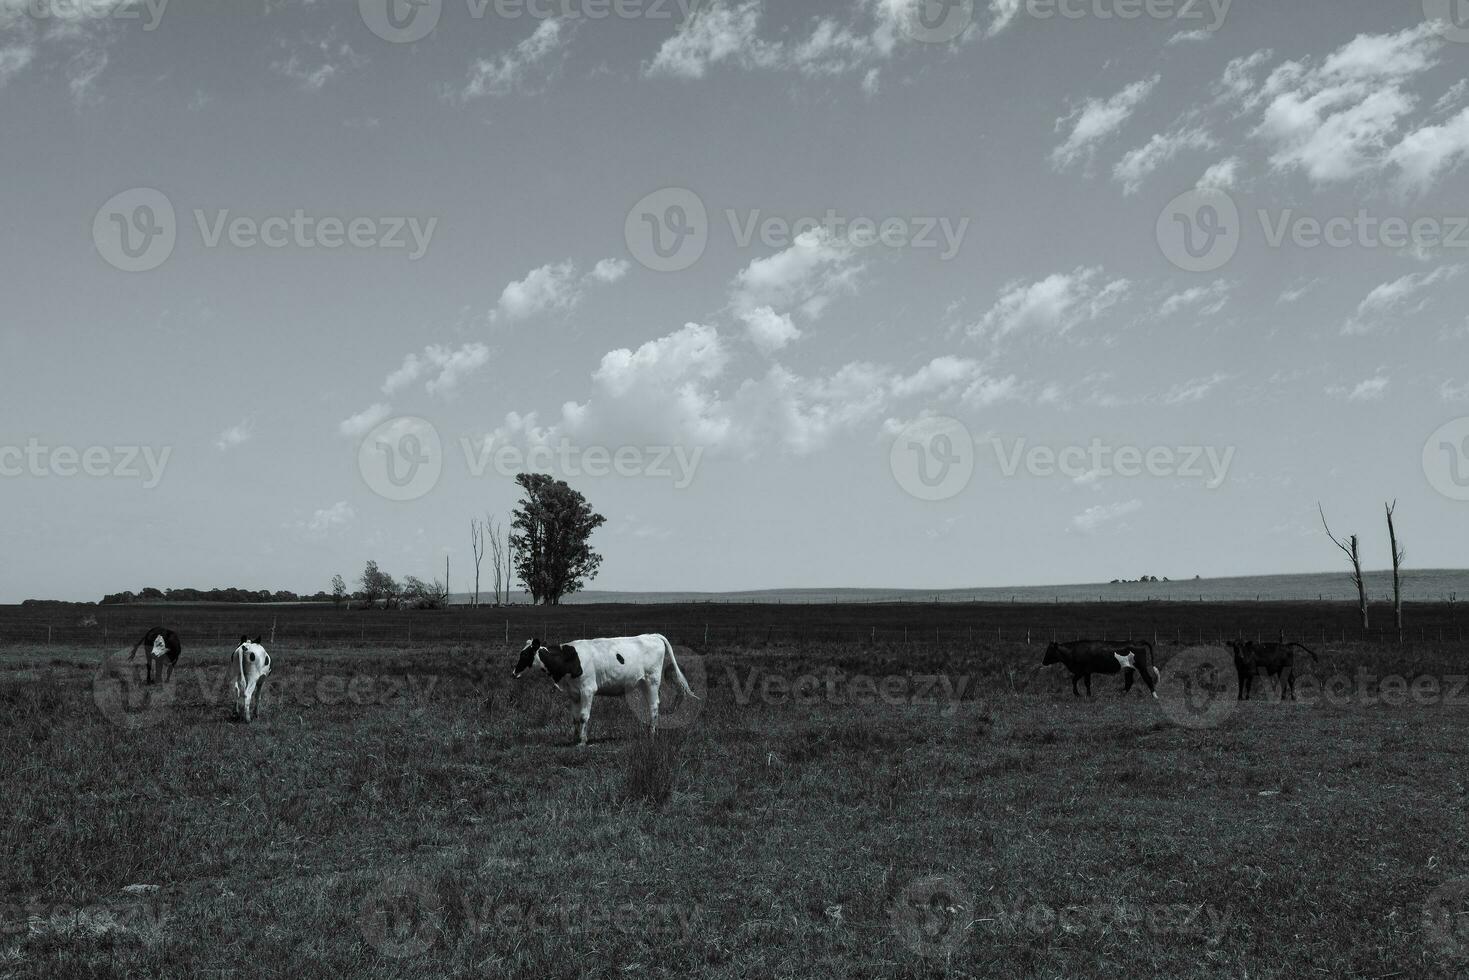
(586, 668)
(250, 667)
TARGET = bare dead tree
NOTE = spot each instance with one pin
(477, 544)
(1351, 547)
(1398, 554)
(497, 556)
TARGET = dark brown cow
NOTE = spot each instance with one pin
(1277, 659)
(1087, 657)
(158, 644)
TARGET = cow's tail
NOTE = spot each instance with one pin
(683, 682)
(1152, 659)
(1314, 658)
(137, 646)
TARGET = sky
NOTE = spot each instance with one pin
(888, 293)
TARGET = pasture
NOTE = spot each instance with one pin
(925, 807)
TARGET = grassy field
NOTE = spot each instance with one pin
(831, 808)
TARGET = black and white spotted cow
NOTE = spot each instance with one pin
(159, 644)
(584, 669)
(1087, 657)
(250, 665)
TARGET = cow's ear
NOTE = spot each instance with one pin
(257, 641)
(573, 661)
(244, 640)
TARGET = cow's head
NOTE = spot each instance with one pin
(528, 655)
(1053, 655)
(160, 647)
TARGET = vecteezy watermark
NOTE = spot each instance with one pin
(1449, 17)
(137, 230)
(402, 459)
(1024, 918)
(1199, 687)
(932, 916)
(406, 21)
(1370, 690)
(1202, 230)
(144, 463)
(1203, 15)
(1446, 459)
(678, 464)
(836, 687)
(406, 916)
(936, 21)
(150, 12)
(1099, 460)
(1446, 919)
(933, 458)
(1199, 230)
(121, 692)
(669, 229)
(37, 918)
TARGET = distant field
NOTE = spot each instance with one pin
(834, 808)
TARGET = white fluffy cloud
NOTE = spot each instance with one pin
(1095, 120)
(443, 367)
(805, 277)
(508, 71)
(1094, 518)
(556, 287)
(235, 435)
(1399, 298)
(1135, 167)
(1054, 304)
(365, 421)
(1204, 300)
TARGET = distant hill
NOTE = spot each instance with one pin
(1436, 585)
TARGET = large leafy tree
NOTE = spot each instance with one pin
(552, 529)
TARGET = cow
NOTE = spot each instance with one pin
(585, 668)
(159, 643)
(249, 667)
(1277, 659)
(1087, 657)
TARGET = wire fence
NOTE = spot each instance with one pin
(361, 631)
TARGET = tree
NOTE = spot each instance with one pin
(477, 546)
(1351, 548)
(500, 556)
(376, 585)
(553, 526)
(1398, 554)
(339, 590)
(425, 595)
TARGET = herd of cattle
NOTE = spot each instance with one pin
(583, 669)
(1129, 657)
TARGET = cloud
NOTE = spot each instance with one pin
(716, 34)
(1222, 176)
(1135, 167)
(235, 435)
(805, 277)
(506, 73)
(1371, 390)
(1055, 304)
(1002, 13)
(557, 287)
(1296, 292)
(365, 421)
(1094, 518)
(1195, 390)
(610, 270)
(312, 62)
(1095, 120)
(1191, 37)
(14, 59)
(1208, 300)
(328, 519)
(1399, 298)
(768, 330)
(1336, 121)
(444, 367)
(1429, 153)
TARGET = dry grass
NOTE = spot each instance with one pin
(411, 813)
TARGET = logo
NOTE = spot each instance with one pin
(402, 459)
(402, 917)
(1446, 460)
(937, 21)
(401, 21)
(1446, 918)
(1450, 17)
(121, 691)
(1198, 687)
(1199, 231)
(136, 230)
(675, 708)
(668, 230)
(932, 916)
(933, 458)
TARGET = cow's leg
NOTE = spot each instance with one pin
(170, 673)
(1074, 679)
(1147, 672)
(584, 722)
(259, 694)
(1127, 678)
(148, 661)
(1088, 678)
(650, 688)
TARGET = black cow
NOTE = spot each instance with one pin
(1087, 657)
(159, 643)
(1278, 660)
